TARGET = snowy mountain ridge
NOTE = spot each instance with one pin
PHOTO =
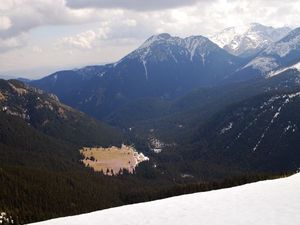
(275, 202)
(279, 56)
(190, 46)
(248, 40)
(163, 51)
(286, 45)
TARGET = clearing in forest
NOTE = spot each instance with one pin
(112, 160)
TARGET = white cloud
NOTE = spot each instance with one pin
(118, 32)
(19, 17)
(23, 15)
(5, 23)
(198, 16)
(36, 49)
(138, 5)
(7, 44)
(84, 40)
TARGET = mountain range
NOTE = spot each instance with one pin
(246, 41)
(276, 57)
(163, 67)
(168, 67)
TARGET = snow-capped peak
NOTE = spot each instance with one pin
(164, 38)
(170, 47)
(155, 39)
(227, 35)
(247, 40)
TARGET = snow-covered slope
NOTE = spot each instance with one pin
(283, 47)
(278, 57)
(175, 48)
(248, 40)
(282, 70)
(275, 202)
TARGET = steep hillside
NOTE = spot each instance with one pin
(45, 113)
(183, 135)
(260, 133)
(41, 174)
(23, 145)
(169, 121)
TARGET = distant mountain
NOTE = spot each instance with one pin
(164, 66)
(248, 40)
(183, 58)
(76, 88)
(24, 80)
(279, 56)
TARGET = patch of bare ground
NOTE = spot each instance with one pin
(2, 97)
(19, 90)
(112, 160)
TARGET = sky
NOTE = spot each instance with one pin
(38, 37)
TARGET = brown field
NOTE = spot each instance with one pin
(2, 97)
(111, 160)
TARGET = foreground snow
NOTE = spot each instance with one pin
(273, 202)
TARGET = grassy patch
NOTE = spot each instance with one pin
(112, 160)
